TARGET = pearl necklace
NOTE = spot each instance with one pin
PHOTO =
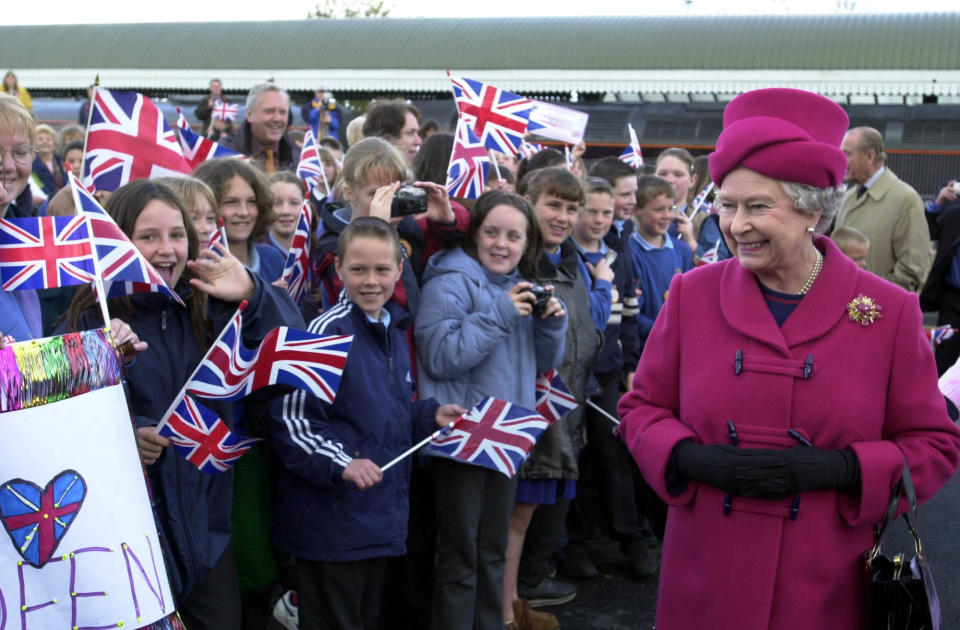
(817, 266)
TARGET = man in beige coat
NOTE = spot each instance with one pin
(886, 209)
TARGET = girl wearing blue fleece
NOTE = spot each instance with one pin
(477, 336)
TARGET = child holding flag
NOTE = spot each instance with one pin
(193, 508)
(337, 513)
(477, 336)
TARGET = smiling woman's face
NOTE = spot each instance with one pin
(761, 226)
(13, 174)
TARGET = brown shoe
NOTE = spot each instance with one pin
(532, 619)
(521, 614)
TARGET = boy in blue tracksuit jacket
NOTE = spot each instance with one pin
(337, 513)
(606, 464)
(656, 255)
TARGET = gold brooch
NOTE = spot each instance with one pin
(863, 310)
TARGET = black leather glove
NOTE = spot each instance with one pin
(738, 471)
(820, 469)
(768, 473)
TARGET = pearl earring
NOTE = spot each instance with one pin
(810, 229)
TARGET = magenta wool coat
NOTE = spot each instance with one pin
(840, 384)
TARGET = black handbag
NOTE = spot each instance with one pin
(902, 593)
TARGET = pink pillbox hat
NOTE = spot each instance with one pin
(786, 134)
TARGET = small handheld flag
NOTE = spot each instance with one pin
(700, 203)
(529, 149)
(128, 139)
(494, 434)
(202, 438)
(711, 255)
(632, 154)
(224, 111)
(498, 118)
(196, 148)
(938, 335)
(298, 260)
(219, 235)
(310, 168)
(286, 355)
(121, 265)
(469, 164)
(45, 252)
(554, 399)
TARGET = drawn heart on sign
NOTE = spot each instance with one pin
(37, 519)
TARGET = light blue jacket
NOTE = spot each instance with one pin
(471, 340)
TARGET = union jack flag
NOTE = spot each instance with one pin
(196, 148)
(286, 355)
(298, 260)
(469, 164)
(529, 149)
(45, 252)
(127, 140)
(310, 167)
(632, 155)
(38, 518)
(122, 267)
(494, 434)
(700, 202)
(224, 111)
(499, 118)
(938, 335)
(711, 255)
(218, 236)
(554, 399)
(202, 438)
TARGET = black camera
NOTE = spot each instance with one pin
(541, 297)
(408, 200)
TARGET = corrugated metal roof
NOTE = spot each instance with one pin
(834, 42)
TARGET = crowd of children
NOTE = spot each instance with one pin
(441, 307)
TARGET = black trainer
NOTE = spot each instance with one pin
(643, 556)
(549, 592)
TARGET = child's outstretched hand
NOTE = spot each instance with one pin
(448, 413)
(221, 275)
(363, 473)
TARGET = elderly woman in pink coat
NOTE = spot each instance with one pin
(780, 391)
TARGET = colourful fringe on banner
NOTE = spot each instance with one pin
(46, 370)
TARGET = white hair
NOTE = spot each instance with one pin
(808, 199)
(259, 89)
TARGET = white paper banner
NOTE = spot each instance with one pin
(79, 547)
(558, 123)
(950, 384)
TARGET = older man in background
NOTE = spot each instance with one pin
(887, 210)
(263, 135)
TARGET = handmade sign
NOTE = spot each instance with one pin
(559, 123)
(79, 547)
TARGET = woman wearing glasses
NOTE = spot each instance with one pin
(18, 146)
